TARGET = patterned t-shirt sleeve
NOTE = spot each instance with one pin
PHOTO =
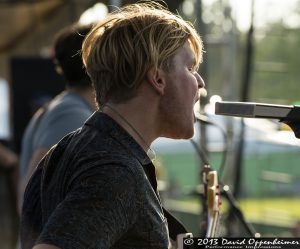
(97, 212)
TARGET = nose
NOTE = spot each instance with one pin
(200, 81)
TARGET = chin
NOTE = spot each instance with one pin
(181, 133)
(188, 130)
(188, 135)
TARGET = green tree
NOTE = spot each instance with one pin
(277, 59)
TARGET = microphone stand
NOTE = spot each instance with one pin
(225, 191)
(238, 212)
(293, 120)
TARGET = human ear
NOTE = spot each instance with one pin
(156, 78)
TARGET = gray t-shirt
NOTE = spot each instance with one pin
(65, 113)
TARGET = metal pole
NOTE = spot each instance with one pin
(244, 97)
(238, 162)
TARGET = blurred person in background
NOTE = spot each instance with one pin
(67, 111)
(97, 187)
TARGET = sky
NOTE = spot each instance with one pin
(266, 11)
(97, 12)
(4, 115)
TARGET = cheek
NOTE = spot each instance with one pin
(191, 88)
(195, 83)
(181, 90)
(183, 82)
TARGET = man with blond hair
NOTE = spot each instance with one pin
(97, 186)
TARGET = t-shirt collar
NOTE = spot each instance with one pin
(106, 124)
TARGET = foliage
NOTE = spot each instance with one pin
(276, 66)
(276, 57)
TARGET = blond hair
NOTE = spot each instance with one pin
(121, 49)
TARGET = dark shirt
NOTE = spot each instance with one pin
(91, 191)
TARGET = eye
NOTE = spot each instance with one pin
(191, 69)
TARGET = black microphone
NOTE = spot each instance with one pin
(258, 110)
(288, 114)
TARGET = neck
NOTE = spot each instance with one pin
(138, 116)
(132, 122)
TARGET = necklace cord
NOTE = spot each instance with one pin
(150, 153)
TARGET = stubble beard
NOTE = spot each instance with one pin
(174, 123)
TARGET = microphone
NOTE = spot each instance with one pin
(285, 113)
(288, 114)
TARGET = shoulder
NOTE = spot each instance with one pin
(68, 105)
(107, 166)
(62, 117)
(96, 158)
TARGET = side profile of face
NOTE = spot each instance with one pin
(180, 95)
